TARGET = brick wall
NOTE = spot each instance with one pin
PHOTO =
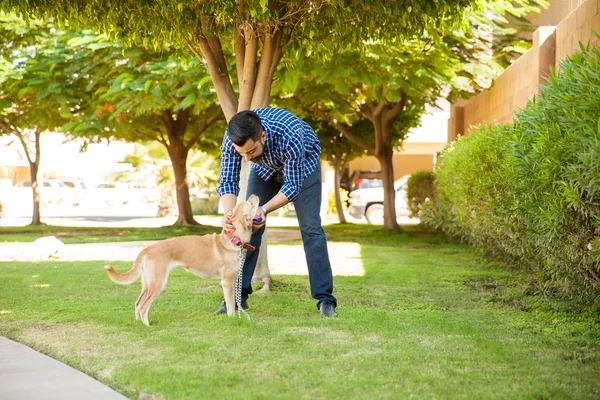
(519, 82)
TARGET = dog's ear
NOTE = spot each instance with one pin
(248, 214)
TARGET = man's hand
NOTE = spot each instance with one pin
(226, 221)
(260, 218)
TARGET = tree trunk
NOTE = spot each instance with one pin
(389, 194)
(35, 190)
(178, 153)
(255, 78)
(184, 206)
(34, 167)
(338, 178)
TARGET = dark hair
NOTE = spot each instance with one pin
(243, 126)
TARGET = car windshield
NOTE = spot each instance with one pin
(361, 183)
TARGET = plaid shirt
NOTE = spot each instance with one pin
(291, 147)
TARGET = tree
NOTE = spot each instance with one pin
(252, 35)
(243, 42)
(336, 150)
(151, 162)
(371, 84)
(40, 89)
(390, 81)
(158, 97)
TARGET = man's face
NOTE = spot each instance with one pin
(251, 150)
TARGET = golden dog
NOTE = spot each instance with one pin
(208, 256)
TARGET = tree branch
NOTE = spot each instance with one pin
(392, 113)
(247, 79)
(205, 125)
(344, 131)
(144, 135)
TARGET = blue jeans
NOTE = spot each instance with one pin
(307, 207)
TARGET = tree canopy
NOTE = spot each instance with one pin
(242, 42)
(140, 95)
(40, 86)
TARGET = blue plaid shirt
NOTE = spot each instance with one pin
(291, 147)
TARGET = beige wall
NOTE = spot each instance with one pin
(15, 174)
(414, 157)
(403, 164)
(520, 82)
(577, 27)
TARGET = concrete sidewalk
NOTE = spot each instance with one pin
(26, 374)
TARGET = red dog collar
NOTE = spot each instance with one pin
(238, 242)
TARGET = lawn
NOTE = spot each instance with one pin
(429, 319)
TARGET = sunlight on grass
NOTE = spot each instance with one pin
(290, 259)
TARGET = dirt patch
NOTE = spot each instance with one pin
(283, 234)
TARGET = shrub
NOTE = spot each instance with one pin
(529, 191)
(206, 206)
(556, 151)
(419, 189)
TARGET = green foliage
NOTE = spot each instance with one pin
(529, 191)
(207, 206)
(331, 209)
(419, 189)
(166, 23)
(141, 95)
(41, 83)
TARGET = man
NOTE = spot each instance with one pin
(284, 152)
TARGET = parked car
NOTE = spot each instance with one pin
(142, 193)
(368, 201)
(361, 179)
(108, 193)
(54, 191)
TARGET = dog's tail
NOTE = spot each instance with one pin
(128, 277)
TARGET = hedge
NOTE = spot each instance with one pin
(529, 191)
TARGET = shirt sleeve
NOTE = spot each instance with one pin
(231, 162)
(293, 169)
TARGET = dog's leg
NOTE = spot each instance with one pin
(228, 284)
(156, 275)
(141, 299)
(154, 290)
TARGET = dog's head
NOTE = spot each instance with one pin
(243, 213)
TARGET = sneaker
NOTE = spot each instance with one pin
(223, 309)
(327, 309)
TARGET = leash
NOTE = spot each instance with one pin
(238, 284)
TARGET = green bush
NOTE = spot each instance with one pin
(529, 191)
(474, 196)
(208, 206)
(419, 189)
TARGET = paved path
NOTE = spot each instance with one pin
(26, 374)
(283, 259)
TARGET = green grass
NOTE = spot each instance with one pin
(69, 234)
(429, 319)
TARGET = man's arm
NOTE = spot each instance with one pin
(278, 201)
(229, 201)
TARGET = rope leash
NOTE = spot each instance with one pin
(238, 284)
